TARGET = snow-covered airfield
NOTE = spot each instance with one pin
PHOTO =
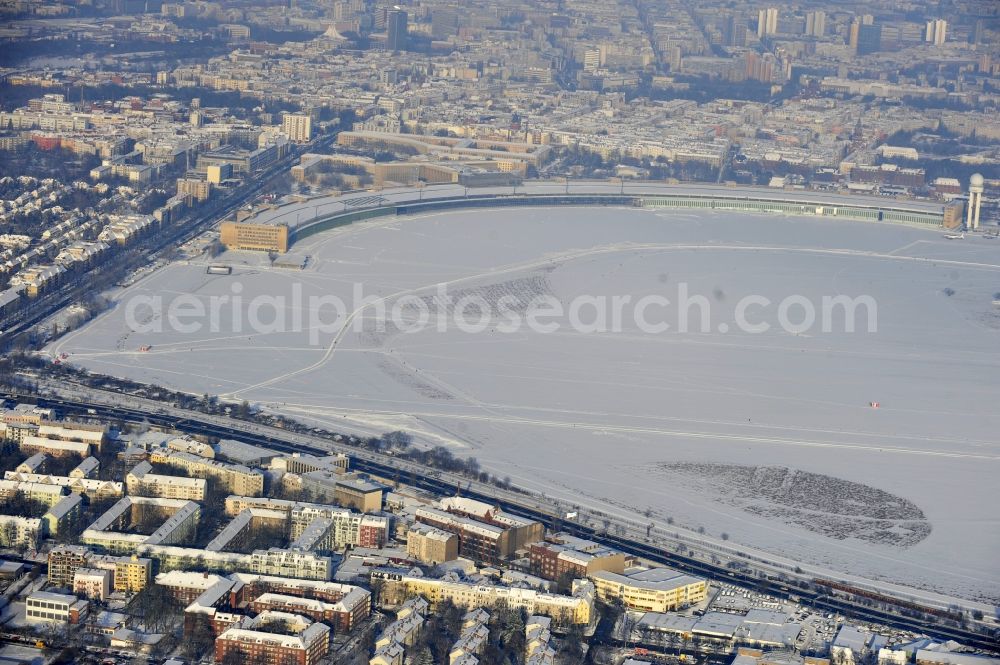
(770, 438)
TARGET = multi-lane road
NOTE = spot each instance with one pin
(173, 236)
(632, 539)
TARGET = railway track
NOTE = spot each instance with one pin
(813, 596)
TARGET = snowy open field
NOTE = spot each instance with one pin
(768, 437)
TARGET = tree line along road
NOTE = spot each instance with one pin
(79, 400)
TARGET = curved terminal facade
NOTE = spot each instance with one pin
(709, 422)
(321, 214)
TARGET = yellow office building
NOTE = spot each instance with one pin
(654, 590)
(254, 237)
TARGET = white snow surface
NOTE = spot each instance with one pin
(670, 421)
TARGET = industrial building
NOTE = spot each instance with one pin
(561, 555)
(757, 628)
(485, 533)
(43, 606)
(476, 540)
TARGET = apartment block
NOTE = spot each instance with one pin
(577, 608)
(140, 480)
(290, 563)
(306, 643)
(92, 583)
(197, 188)
(94, 435)
(401, 633)
(34, 464)
(18, 531)
(431, 545)
(211, 598)
(344, 605)
(114, 531)
(54, 447)
(186, 586)
(234, 478)
(64, 514)
(297, 127)
(242, 528)
(92, 488)
(87, 468)
(18, 432)
(342, 614)
(235, 504)
(64, 561)
(347, 528)
(47, 495)
(128, 573)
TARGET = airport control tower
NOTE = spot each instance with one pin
(975, 202)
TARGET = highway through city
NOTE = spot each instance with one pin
(175, 236)
(79, 400)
